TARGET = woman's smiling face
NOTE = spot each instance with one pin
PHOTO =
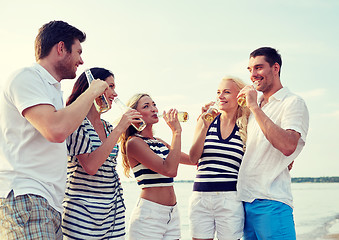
(227, 94)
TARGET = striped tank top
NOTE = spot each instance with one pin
(219, 164)
(146, 177)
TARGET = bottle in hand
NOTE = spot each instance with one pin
(138, 126)
(242, 99)
(212, 111)
(182, 116)
(101, 104)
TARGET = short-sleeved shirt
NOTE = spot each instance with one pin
(29, 163)
(146, 177)
(93, 205)
(220, 160)
(264, 170)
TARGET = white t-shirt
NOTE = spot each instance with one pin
(264, 170)
(29, 164)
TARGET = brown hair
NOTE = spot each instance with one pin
(81, 84)
(54, 32)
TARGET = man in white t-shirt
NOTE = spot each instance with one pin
(33, 128)
(276, 134)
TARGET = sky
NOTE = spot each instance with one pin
(178, 51)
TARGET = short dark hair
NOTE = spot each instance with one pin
(271, 55)
(53, 32)
(81, 83)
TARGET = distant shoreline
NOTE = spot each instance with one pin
(315, 180)
(294, 180)
(300, 180)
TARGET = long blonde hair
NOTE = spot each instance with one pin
(132, 103)
(242, 112)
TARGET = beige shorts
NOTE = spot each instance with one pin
(150, 220)
(217, 213)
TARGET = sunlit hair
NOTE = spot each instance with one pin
(242, 112)
(132, 103)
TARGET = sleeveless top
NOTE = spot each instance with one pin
(93, 205)
(146, 177)
(219, 164)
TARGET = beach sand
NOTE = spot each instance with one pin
(333, 231)
(332, 236)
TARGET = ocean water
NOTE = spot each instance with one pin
(316, 207)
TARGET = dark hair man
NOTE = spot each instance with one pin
(33, 129)
(276, 134)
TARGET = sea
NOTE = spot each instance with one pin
(316, 207)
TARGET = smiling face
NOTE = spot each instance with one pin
(262, 73)
(227, 95)
(67, 67)
(110, 93)
(148, 110)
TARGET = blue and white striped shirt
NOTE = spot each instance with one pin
(93, 205)
(147, 177)
(220, 161)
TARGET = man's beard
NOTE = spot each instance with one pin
(64, 68)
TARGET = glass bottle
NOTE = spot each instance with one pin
(182, 116)
(242, 99)
(212, 111)
(101, 104)
(138, 126)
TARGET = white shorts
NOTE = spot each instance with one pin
(216, 212)
(150, 220)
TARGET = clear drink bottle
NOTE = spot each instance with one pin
(101, 104)
(242, 99)
(138, 126)
(212, 111)
(182, 116)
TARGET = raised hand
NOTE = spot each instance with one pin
(98, 87)
(171, 118)
(129, 117)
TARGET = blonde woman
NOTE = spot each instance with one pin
(154, 164)
(218, 148)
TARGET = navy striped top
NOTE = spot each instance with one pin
(93, 205)
(146, 177)
(219, 164)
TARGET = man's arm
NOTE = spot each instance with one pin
(285, 141)
(57, 125)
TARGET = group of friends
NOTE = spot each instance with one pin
(243, 154)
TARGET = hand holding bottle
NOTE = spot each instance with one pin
(212, 111)
(100, 102)
(171, 118)
(131, 116)
(182, 116)
(139, 124)
(241, 98)
(98, 87)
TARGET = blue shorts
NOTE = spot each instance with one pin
(268, 219)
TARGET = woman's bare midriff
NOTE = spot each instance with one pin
(161, 195)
